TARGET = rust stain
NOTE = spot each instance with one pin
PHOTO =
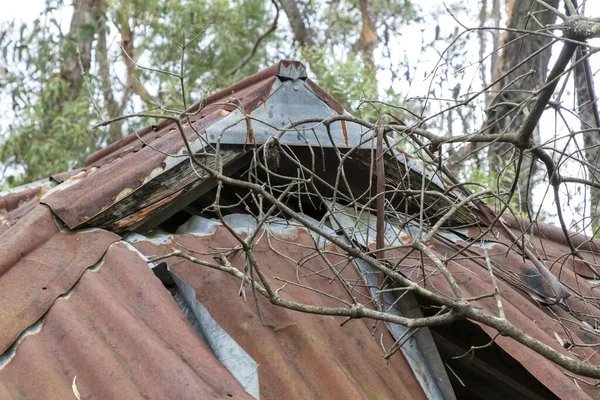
(325, 97)
(345, 133)
(250, 130)
(406, 239)
(419, 371)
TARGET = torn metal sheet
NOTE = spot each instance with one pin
(519, 284)
(293, 350)
(361, 228)
(517, 278)
(227, 351)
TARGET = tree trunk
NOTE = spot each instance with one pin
(128, 52)
(303, 34)
(366, 45)
(588, 115)
(508, 110)
(84, 24)
(112, 106)
(368, 38)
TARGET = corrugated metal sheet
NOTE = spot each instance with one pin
(520, 284)
(38, 263)
(120, 333)
(307, 355)
(18, 202)
(12, 199)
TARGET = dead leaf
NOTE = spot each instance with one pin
(562, 343)
(74, 387)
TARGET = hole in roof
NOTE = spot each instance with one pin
(487, 373)
(356, 183)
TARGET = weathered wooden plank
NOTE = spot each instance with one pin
(166, 194)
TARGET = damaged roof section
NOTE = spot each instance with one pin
(117, 334)
(523, 289)
(288, 345)
(81, 301)
(140, 177)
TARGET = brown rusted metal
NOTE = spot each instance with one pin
(519, 284)
(380, 173)
(13, 201)
(344, 132)
(18, 202)
(38, 263)
(554, 233)
(12, 217)
(122, 336)
(310, 356)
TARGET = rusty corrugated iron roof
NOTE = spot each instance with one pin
(296, 351)
(38, 263)
(55, 312)
(18, 202)
(41, 309)
(117, 334)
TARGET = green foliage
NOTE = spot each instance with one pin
(46, 134)
(49, 143)
(499, 183)
(346, 78)
(229, 30)
(53, 108)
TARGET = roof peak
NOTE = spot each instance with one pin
(291, 69)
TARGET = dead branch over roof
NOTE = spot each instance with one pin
(71, 295)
